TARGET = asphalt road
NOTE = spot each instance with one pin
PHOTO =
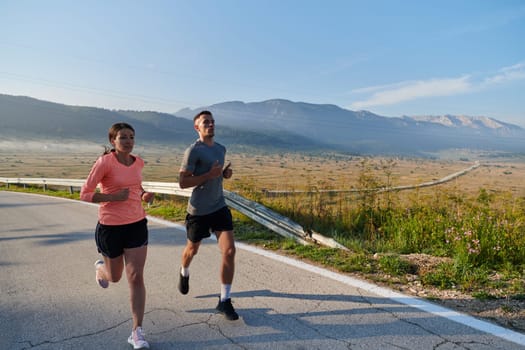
(49, 298)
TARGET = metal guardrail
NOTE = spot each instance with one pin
(71, 183)
(257, 212)
(272, 193)
(276, 222)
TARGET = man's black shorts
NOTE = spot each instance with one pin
(113, 239)
(199, 227)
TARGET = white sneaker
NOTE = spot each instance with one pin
(136, 339)
(101, 282)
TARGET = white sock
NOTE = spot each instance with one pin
(185, 271)
(225, 291)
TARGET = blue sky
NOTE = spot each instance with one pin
(391, 57)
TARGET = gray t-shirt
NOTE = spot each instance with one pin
(198, 159)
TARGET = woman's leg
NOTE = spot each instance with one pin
(111, 269)
(135, 259)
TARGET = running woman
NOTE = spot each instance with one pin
(121, 233)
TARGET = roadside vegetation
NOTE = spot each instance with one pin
(476, 241)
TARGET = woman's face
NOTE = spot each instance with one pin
(124, 141)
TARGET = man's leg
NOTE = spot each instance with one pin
(190, 250)
(227, 247)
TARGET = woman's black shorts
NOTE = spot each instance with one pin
(113, 239)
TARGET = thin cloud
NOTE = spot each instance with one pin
(370, 89)
(407, 91)
(391, 94)
(489, 21)
(342, 65)
(515, 72)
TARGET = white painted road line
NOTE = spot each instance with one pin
(417, 303)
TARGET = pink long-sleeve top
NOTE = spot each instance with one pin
(114, 176)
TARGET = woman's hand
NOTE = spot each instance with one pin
(121, 195)
(148, 197)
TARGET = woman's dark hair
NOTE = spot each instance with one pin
(113, 131)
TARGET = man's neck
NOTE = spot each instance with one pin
(207, 140)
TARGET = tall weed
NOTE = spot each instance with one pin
(480, 231)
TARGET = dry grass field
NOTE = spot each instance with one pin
(283, 172)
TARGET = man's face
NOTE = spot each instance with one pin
(205, 125)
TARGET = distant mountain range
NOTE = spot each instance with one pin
(269, 125)
(363, 131)
(25, 118)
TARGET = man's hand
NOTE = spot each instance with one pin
(215, 171)
(227, 172)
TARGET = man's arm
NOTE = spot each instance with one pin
(187, 179)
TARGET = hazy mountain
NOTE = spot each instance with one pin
(273, 124)
(363, 131)
(27, 118)
(479, 123)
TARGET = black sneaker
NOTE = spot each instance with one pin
(226, 308)
(184, 284)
